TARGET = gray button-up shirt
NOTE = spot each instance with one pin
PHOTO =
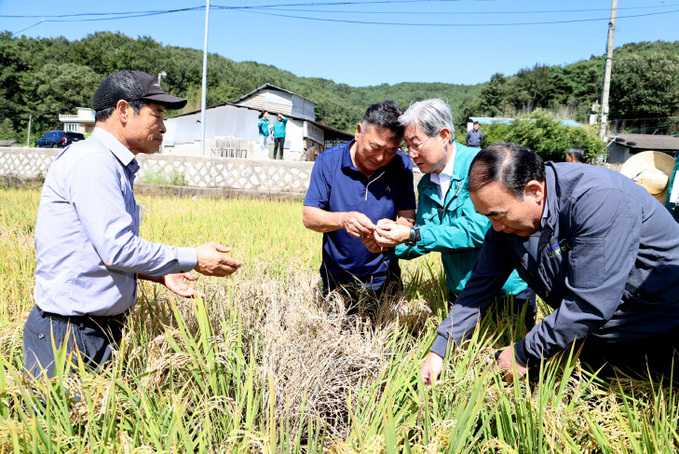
(474, 138)
(87, 233)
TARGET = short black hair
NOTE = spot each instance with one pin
(508, 163)
(136, 105)
(578, 153)
(476, 122)
(384, 115)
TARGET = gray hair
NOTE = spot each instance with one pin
(431, 115)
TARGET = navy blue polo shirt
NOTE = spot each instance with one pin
(337, 185)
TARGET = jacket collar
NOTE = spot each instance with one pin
(552, 199)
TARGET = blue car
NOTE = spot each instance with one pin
(58, 139)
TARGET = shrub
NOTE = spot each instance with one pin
(543, 133)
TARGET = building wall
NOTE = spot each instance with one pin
(303, 108)
(270, 101)
(617, 153)
(184, 133)
(276, 101)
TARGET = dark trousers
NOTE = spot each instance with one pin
(656, 357)
(374, 288)
(91, 339)
(278, 143)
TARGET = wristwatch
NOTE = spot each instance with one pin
(414, 237)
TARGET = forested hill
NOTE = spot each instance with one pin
(46, 77)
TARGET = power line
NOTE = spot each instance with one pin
(277, 9)
(344, 11)
(411, 24)
(150, 13)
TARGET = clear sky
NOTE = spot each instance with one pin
(364, 43)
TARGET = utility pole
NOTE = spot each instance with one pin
(204, 93)
(28, 139)
(607, 71)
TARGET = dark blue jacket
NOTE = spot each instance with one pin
(608, 263)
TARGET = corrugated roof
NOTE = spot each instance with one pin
(639, 142)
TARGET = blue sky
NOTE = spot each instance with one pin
(368, 42)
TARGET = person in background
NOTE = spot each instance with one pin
(264, 133)
(88, 249)
(446, 221)
(575, 154)
(594, 245)
(352, 186)
(474, 136)
(279, 136)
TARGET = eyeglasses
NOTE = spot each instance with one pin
(416, 147)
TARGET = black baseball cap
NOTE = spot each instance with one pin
(131, 86)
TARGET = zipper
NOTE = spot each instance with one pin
(371, 182)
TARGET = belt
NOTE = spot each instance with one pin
(81, 319)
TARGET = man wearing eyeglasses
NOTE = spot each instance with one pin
(446, 219)
(352, 186)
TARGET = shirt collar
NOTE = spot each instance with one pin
(346, 156)
(448, 170)
(124, 155)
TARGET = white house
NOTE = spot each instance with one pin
(231, 128)
(82, 122)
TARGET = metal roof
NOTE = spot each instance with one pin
(640, 142)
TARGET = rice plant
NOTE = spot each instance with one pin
(262, 363)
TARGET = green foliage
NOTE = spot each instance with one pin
(544, 134)
(645, 88)
(45, 77)
(7, 131)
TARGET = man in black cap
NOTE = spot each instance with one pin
(88, 249)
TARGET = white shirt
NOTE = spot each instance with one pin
(442, 180)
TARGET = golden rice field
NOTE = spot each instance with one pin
(260, 365)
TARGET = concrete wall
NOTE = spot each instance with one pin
(233, 174)
(207, 172)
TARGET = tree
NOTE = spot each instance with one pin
(493, 95)
(531, 88)
(543, 133)
(645, 89)
(57, 89)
